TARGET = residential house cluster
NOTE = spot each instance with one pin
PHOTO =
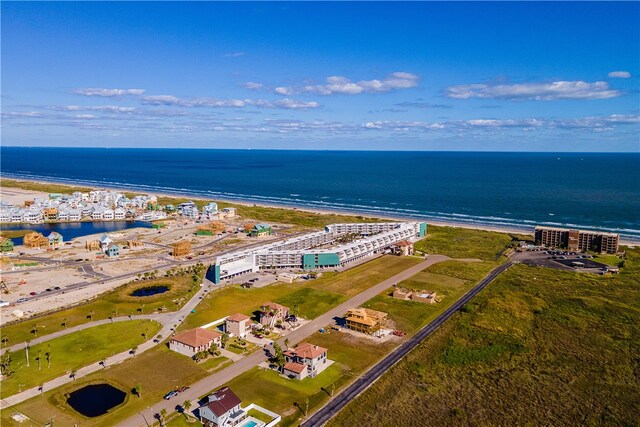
(99, 205)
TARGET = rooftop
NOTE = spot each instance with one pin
(196, 337)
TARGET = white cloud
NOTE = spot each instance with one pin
(231, 103)
(296, 105)
(234, 55)
(85, 116)
(108, 92)
(619, 74)
(287, 91)
(253, 85)
(535, 91)
(106, 108)
(343, 85)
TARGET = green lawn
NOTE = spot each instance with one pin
(537, 347)
(313, 297)
(464, 243)
(410, 316)
(608, 259)
(73, 352)
(157, 371)
(114, 303)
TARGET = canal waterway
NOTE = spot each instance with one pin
(71, 230)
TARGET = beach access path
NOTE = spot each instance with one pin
(249, 362)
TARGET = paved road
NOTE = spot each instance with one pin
(168, 321)
(341, 400)
(225, 375)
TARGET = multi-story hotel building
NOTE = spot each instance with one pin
(577, 240)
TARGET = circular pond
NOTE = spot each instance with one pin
(96, 399)
(149, 291)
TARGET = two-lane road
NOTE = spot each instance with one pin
(341, 400)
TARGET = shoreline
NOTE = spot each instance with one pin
(479, 226)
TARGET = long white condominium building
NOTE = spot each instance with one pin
(309, 251)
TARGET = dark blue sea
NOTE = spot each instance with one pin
(591, 191)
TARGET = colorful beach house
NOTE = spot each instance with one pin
(112, 250)
(6, 245)
(305, 360)
(55, 238)
(260, 230)
(105, 241)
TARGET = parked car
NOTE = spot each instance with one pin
(22, 300)
(4, 303)
(33, 293)
(48, 289)
(57, 288)
(171, 394)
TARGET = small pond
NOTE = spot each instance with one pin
(149, 291)
(96, 399)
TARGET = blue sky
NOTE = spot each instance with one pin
(363, 75)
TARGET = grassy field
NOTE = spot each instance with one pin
(313, 297)
(288, 397)
(114, 303)
(609, 259)
(157, 371)
(410, 316)
(537, 347)
(464, 243)
(73, 352)
(42, 186)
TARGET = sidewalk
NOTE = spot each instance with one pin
(168, 322)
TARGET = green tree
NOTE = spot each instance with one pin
(223, 339)
(5, 363)
(278, 358)
(64, 323)
(138, 390)
(134, 349)
(163, 415)
(91, 314)
(186, 405)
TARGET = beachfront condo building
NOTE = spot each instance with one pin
(577, 240)
(317, 250)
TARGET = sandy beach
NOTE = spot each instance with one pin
(17, 194)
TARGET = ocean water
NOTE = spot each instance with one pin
(591, 191)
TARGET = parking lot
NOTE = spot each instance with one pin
(562, 260)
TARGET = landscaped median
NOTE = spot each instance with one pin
(67, 354)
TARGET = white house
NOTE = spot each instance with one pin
(210, 211)
(108, 214)
(222, 410)
(306, 360)
(119, 213)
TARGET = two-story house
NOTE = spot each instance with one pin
(305, 360)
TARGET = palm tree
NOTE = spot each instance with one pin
(163, 414)
(138, 390)
(34, 329)
(48, 355)
(64, 322)
(38, 358)
(90, 316)
(286, 342)
(186, 405)
(26, 350)
(134, 349)
(223, 339)
(5, 339)
(73, 374)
